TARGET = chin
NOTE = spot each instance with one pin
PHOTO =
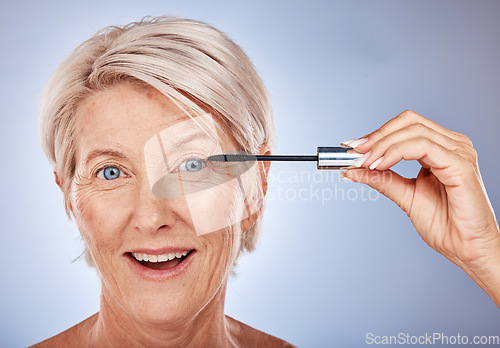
(160, 297)
(164, 310)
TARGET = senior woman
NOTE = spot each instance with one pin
(128, 121)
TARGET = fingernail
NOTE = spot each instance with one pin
(343, 177)
(354, 142)
(359, 162)
(376, 163)
(347, 142)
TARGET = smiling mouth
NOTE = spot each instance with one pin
(163, 261)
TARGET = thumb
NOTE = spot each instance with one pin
(390, 184)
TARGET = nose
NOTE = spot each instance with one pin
(153, 214)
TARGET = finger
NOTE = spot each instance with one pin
(450, 168)
(418, 130)
(390, 184)
(404, 119)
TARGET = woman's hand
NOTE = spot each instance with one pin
(447, 202)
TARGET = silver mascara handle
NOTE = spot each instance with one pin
(336, 157)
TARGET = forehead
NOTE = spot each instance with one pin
(123, 109)
(127, 116)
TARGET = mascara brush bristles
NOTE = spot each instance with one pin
(231, 158)
(247, 158)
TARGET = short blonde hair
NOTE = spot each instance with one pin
(189, 61)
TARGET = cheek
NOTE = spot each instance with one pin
(101, 217)
(212, 209)
(221, 251)
(223, 206)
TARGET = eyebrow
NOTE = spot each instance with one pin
(192, 135)
(104, 152)
(184, 141)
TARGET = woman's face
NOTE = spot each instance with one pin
(123, 220)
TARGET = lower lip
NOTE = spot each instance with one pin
(154, 274)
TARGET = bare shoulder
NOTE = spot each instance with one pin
(74, 336)
(247, 336)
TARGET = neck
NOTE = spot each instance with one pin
(116, 328)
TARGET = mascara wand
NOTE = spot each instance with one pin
(326, 157)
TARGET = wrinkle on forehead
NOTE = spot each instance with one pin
(98, 116)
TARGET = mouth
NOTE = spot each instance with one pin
(162, 261)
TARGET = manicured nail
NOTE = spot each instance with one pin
(345, 178)
(359, 162)
(347, 142)
(376, 163)
(354, 142)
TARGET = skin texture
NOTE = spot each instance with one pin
(447, 202)
(115, 217)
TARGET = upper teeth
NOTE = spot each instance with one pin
(158, 258)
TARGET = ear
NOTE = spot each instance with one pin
(58, 180)
(264, 167)
(265, 150)
(263, 170)
(67, 203)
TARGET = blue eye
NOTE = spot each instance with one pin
(192, 165)
(110, 173)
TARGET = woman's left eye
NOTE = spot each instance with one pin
(109, 173)
(192, 165)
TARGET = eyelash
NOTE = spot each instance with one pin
(104, 166)
(198, 157)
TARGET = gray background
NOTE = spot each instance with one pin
(326, 272)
